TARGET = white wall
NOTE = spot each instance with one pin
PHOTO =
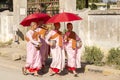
(99, 30)
(6, 26)
(67, 5)
(10, 21)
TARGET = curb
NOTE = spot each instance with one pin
(100, 69)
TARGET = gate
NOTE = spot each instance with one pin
(50, 7)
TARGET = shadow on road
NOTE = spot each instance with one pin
(45, 69)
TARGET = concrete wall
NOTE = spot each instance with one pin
(9, 21)
(105, 30)
(101, 30)
(6, 26)
(20, 12)
(67, 5)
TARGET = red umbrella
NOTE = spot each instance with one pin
(36, 17)
(64, 17)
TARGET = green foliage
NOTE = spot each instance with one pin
(93, 55)
(108, 5)
(94, 1)
(114, 56)
(93, 6)
(80, 4)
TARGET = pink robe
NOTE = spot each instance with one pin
(73, 55)
(33, 60)
(58, 55)
(44, 48)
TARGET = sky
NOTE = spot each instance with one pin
(108, 0)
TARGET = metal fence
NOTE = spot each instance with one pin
(49, 7)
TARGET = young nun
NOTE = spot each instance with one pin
(33, 59)
(55, 39)
(73, 54)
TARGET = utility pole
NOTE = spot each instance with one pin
(86, 3)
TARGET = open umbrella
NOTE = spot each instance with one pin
(63, 17)
(36, 17)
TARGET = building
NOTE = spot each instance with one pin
(115, 6)
(14, 11)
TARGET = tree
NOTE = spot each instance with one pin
(82, 3)
(93, 6)
(94, 1)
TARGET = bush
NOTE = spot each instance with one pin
(114, 56)
(93, 6)
(93, 55)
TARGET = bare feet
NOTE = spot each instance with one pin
(24, 71)
(36, 74)
(51, 72)
(75, 73)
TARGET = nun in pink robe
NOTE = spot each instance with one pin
(73, 52)
(44, 47)
(33, 59)
(57, 52)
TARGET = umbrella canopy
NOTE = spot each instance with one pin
(36, 17)
(63, 17)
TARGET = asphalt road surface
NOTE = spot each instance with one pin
(10, 70)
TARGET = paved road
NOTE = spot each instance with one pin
(10, 70)
(11, 74)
